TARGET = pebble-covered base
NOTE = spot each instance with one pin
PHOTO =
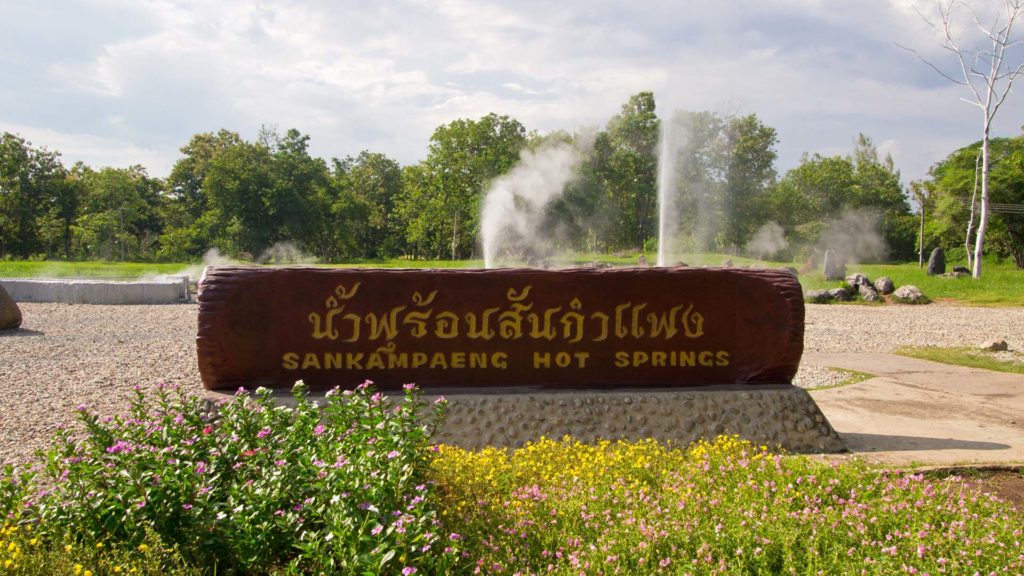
(778, 416)
(782, 416)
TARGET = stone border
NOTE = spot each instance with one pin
(165, 290)
(779, 416)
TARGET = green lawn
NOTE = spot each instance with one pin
(1002, 284)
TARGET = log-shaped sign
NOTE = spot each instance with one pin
(487, 329)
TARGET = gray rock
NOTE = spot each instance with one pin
(961, 271)
(817, 296)
(791, 270)
(840, 294)
(937, 262)
(884, 285)
(835, 269)
(867, 292)
(856, 280)
(995, 346)
(10, 314)
(909, 294)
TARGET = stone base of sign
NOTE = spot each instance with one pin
(779, 416)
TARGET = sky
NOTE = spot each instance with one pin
(123, 82)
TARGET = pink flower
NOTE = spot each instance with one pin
(408, 570)
(409, 386)
(319, 430)
(263, 433)
(393, 454)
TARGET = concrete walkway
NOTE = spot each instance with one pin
(921, 412)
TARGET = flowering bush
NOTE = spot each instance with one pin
(261, 487)
(722, 507)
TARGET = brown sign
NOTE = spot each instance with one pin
(576, 328)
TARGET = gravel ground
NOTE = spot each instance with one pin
(67, 355)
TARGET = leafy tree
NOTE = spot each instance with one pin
(749, 167)
(632, 170)
(32, 183)
(374, 182)
(119, 214)
(951, 185)
(464, 156)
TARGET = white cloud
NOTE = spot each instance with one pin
(136, 80)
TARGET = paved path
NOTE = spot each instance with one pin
(921, 412)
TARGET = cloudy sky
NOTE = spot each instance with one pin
(121, 82)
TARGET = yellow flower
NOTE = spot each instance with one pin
(117, 569)
(78, 568)
(143, 548)
(87, 573)
(67, 547)
(99, 544)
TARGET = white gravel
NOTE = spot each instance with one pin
(67, 355)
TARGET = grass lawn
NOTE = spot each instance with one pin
(1002, 284)
(1012, 362)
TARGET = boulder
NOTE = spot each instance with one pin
(937, 263)
(884, 285)
(995, 346)
(835, 269)
(961, 271)
(840, 294)
(867, 292)
(856, 280)
(909, 294)
(10, 314)
(817, 296)
(791, 270)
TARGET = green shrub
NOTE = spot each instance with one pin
(259, 488)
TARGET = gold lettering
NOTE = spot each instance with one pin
(458, 359)
(418, 321)
(310, 361)
(485, 332)
(290, 361)
(478, 360)
(664, 323)
(620, 328)
(581, 358)
(419, 359)
(604, 325)
(621, 359)
(563, 359)
(447, 325)
(706, 358)
(548, 331)
(637, 331)
(400, 360)
(355, 361)
(697, 329)
(355, 320)
(385, 325)
(375, 362)
(572, 322)
(658, 359)
(687, 358)
(640, 358)
(722, 358)
(333, 360)
(499, 360)
(542, 360)
(439, 361)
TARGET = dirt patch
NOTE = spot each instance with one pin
(1008, 486)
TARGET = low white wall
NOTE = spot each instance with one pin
(169, 290)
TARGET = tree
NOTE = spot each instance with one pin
(375, 182)
(119, 215)
(32, 181)
(950, 186)
(988, 75)
(633, 135)
(749, 169)
(464, 156)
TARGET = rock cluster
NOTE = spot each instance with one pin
(860, 286)
(10, 314)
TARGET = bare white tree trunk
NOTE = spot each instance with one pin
(968, 248)
(979, 242)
